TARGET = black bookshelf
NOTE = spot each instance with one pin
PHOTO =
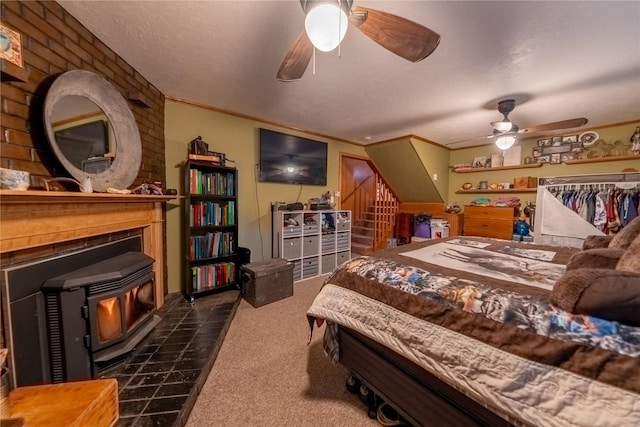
(210, 221)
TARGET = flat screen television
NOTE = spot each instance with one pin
(82, 142)
(291, 159)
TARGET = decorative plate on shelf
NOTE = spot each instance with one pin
(588, 138)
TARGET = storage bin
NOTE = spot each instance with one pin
(343, 241)
(268, 281)
(310, 267)
(328, 243)
(328, 263)
(310, 246)
(291, 248)
(343, 257)
(422, 229)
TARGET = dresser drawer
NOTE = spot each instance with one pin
(491, 212)
(486, 227)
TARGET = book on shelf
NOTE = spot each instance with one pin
(213, 183)
(212, 214)
(207, 158)
(211, 245)
(209, 276)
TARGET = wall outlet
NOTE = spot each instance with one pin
(435, 176)
(336, 194)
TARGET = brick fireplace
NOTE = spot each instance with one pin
(36, 224)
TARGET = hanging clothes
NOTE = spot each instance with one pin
(605, 206)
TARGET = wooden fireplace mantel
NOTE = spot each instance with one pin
(29, 219)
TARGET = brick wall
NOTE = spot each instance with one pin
(54, 42)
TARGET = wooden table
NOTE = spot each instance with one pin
(73, 404)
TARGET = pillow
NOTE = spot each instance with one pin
(630, 261)
(607, 294)
(624, 237)
(597, 241)
(596, 258)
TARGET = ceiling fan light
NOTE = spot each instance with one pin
(504, 142)
(502, 126)
(326, 26)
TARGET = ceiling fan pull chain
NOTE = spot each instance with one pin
(339, 29)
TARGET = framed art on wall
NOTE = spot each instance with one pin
(544, 159)
(479, 162)
(10, 45)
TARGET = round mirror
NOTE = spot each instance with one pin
(92, 130)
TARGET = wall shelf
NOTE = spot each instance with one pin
(501, 168)
(601, 159)
(498, 190)
(12, 72)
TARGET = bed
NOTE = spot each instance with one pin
(461, 331)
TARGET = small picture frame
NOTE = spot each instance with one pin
(480, 162)
(576, 147)
(544, 142)
(569, 139)
(535, 152)
(556, 141)
(554, 149)
(544, 159)
(556, 158)
(567, 156)
(497, 160)
(10, 45)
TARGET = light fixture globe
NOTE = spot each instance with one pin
(502, 126)
(505, 141)
(326, 25)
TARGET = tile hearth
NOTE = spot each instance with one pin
(159, 383)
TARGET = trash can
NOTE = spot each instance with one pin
(244, 256)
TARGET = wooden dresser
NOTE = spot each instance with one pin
(404, 227)
(489, 221)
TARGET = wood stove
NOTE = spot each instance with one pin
(74, 316)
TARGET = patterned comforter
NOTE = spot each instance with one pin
(449, 307)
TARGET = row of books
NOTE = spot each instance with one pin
(211, 213)
(211, 245)
(210, 276)
(216, 183)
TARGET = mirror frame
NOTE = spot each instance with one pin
(128, 154)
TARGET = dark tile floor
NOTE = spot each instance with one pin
(159, 383)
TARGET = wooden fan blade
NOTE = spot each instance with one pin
(405, 38)
(479, 138)
(297, 59)
(564, 124)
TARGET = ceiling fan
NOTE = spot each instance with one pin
(326, 24)
(505, 131)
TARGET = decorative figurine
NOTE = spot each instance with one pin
(635, 141)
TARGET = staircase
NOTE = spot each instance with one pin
(363, 233)
(373, 224)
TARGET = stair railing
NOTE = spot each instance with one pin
(386, 208)
(373, 194)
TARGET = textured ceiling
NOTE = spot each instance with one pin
(560, 60)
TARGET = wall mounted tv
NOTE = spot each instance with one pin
(291, 159)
